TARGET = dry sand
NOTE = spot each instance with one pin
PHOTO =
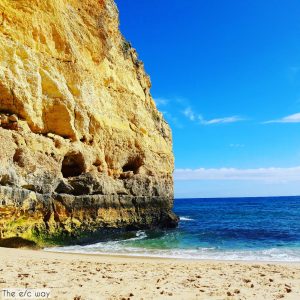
(76, 276)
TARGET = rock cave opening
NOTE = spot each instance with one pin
(18, 158)
(133, 164)
(73, 165)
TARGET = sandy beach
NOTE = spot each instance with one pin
(76, 276)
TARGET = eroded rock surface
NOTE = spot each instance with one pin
(83, 146)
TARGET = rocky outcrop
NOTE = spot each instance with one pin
(83, 146)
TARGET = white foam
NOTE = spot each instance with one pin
(139, 236)
(186, 219)
(117, 248)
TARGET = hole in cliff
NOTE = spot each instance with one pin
(97, 163)
(73, 165)
(18, 158)
(133, 164)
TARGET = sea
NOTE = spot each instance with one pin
(246, 229)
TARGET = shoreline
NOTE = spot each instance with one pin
(71, 275)
(147, 257)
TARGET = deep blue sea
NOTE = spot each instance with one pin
(262, 229)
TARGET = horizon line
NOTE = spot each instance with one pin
(236, 197)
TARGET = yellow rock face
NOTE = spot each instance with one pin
(77, 120)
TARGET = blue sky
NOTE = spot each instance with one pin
(226, 75)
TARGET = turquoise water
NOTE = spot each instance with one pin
(263, 229)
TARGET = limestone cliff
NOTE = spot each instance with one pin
(83, 146)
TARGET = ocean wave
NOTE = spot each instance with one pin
(209, 253)
(102, 246)
(186, 219)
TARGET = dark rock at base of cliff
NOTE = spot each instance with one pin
(59, 219)
(17, 242)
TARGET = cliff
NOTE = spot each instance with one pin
(83, 146)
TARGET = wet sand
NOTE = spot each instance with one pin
(78, 276)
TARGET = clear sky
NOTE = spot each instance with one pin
(226, 75)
